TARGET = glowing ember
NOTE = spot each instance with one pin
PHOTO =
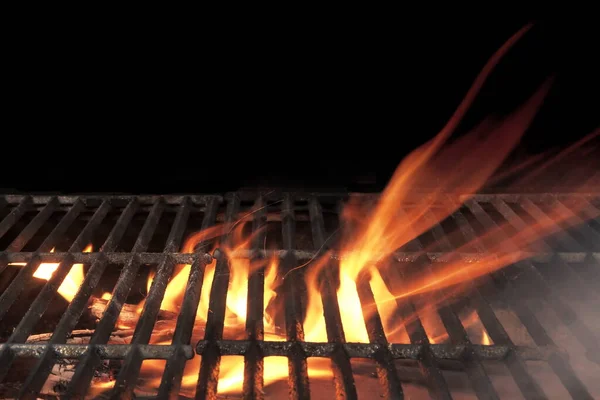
(106, 296)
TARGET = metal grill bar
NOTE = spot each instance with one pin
(9, 296)
(211, 356)
(86, 234)
(562, 309)
(171, 380)
(481, 294)
(274, 195)
(27, 233)
(106, 351)
(253, 361)
(386, 370)
(516, 221)
(15, 215)
(565, 238)
(407, 315)
(84, 371)
(230, 347)
(370, 350)
(590, 211)
(342, 370)
(67, 323)
(127, 378)
(583, 227)
(448, 312)
(20, 241)
(60, 229)
(535, 329)
(514, 363)
(385, 367)
(294, 295)
(187, 258)
(40, 304)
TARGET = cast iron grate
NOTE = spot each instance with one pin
(481, 293)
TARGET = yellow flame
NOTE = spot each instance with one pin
(463, 165)
(351, 310)
(70, 285)
(486, 339)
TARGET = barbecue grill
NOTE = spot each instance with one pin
(131, 233)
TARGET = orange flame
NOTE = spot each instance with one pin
(176, 287)
(314, 323)
(486, 339)
(70, 285)
(462, 166)
(382, 229)
(231, 371)
(269, 296)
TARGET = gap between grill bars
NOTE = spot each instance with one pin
(574, 253)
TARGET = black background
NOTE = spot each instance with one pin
(269, 106)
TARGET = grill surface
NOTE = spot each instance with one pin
(574, 253)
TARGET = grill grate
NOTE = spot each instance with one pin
(506, 285)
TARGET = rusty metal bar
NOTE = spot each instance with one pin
(342, 370)
(105, 351)
(11, 293)
(62, 226)
(15, 215)
(528, 319)
(590, 212)
(577, 291)
(173, 373)
(208, 377)
(42, 369)
(540, 216)
(40, 304)
(84, 371)
(253, 360)
(406, 314)
(475, 369)
(148, 200)
(387, 373)
(239, 347)
(567, 315)
(294, 295)
(386, 370)
(448, 313)
(401, 256)
(20, 241)
(36, 223)
(85, 236)
(254, 349)
(126, 380)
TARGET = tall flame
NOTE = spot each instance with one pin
(372, 235)
(231, 371)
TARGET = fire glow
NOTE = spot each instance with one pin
(70, 285)
(462, 166)
(371, 235)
